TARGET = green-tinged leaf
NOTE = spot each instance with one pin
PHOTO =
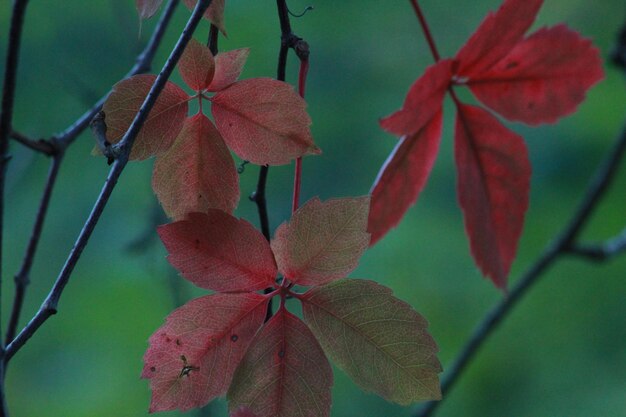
(147, 8)
(214, 14)
(284, 372)
(377, 339)
(322, 241)
(197, 65)
(164, 121)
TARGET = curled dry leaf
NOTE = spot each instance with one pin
(147, 8)
(214, 14)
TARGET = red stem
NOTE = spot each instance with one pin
(304, 69)
(426, 29)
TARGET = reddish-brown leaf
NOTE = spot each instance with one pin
(402, 178)
(147, 8)
(496, 36)
(543, 78)
(423, 101)
(377, 339)
(243, 412)
(196, 65)
(493, 187)
(164, 121)
(228, 67)
(284, 373)
(219, 252)
(197, 173)
(322, 241)
(214, 14)
(263, 121)
(193, 356)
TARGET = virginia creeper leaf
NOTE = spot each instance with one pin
(284, 373)
(423, 101)
(196, 65)
(147, 8)
(164, 121)
(402, 178)
(322, 241)
(214, 14)
(496, 36)
(197, 173)
(219, 252)
(193, 356)
(228, 67)
(377, 339)
(263, 121)
(543, 78)
(493, 187)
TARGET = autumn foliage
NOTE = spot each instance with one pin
(226, 343)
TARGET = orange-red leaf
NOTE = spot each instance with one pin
(214, 14)
(219, 252)
(402, 178)
(164, 121)
(243, 412)
(228, 67)
(147, 8)
(377, 339)
(193, 356)
(322, 241)
(493, 187)
(496, 36)
(196, 65)
(284, 373)
(423, 101)
(263, 121)
(197, 173)
(543, 78)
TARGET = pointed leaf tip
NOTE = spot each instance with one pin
(214, 14)
(147, 8)
(493, 188)
(219, 252)
(377, 339)
(197, 173)
(402, 178)
(228, 67)
(323, 241)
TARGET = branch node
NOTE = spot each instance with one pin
(99, 129)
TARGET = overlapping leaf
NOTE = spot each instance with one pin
(192, 358)
(380, 341)
(323, 241)
(214, 14)
(284, 373)
(219, 252)
(164, 120)
(197, 173)
(537, 79)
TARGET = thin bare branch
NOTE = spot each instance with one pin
(41, 145)
(49, 306)
(600, 252)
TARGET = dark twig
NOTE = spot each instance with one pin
(49, 306)
(561, 246)
(41, 145)
(22, 278)
(143, 64)
(214, 34)
(601, 252)
(6, 121)
(99, 130)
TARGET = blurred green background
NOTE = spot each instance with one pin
(561, 353)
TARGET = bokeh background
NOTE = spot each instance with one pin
(562, 352)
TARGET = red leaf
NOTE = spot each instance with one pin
(284, 373)
(493, 188)
(164, 121)
(197, 173)
(147, 8)
(219, 252)
(263, 121)
(496, 36)
(196, 65)
(403, 177)
(423, 101)
(322, 241)
(545, 77)
(228, 67)
(214, 14)
(193, 356)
